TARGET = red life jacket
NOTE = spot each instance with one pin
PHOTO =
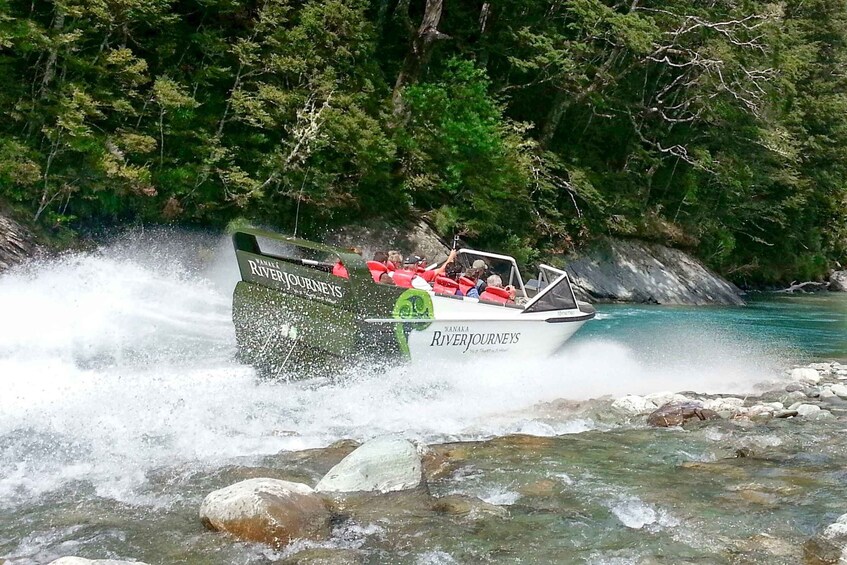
(445, 285)
(377, 269)
(403, 278)
(465, 284)
(494, 294)
(340, 270)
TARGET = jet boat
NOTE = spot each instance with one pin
(301, 303)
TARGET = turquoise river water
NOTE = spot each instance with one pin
(121, 407)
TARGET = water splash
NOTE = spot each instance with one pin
(118, 362)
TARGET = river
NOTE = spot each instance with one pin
(121, 407)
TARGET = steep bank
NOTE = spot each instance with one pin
(16, 242)
(616, 270)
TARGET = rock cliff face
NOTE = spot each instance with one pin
(418, 238)
(637, 271)
(15, 242)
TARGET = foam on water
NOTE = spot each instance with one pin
(118, 362)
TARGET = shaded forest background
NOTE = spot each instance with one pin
(529, 126)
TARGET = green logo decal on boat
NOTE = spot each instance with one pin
(413, 304)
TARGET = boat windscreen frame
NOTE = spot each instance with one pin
(558, 281)
(514, 273)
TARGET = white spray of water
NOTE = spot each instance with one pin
(119, 362)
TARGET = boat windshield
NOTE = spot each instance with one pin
(556, 295)
(502, 265)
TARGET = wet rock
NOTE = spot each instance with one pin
(795, 387)
(827, 393)
(785, 414)
(441, 461)
(728, 404)
(543, 487)
(805, 375)
(839, 390)
(268, 511)
(676, 414)
(760, 413)
(793, 397)
(634, 405)
(771, 547)
(662, 398)
(823, 367)
(838, 281)
(830, 547)
(83, 561)
(470, 506)
(324, 556)
(806, 410)
(383, 465)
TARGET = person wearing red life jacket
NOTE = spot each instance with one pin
(497, 292)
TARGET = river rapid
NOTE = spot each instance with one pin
(121, 407)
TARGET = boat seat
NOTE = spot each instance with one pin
(500, 295)
(403, 278)
(445, 285)
(377, 269)
(340, 270)
(465, 284)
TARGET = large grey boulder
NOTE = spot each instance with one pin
(838, 281)
(417, 238)
(266, 510)
(383, 464)
(618, 270)
(16, 243)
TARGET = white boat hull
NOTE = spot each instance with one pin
(465, 328)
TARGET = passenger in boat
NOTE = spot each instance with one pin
(469, 282)
(448, 283)
(395, 260)
(482, 269)
(496, 283)
(380, 257)
(385, 278)
(429, 275)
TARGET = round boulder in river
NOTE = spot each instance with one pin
(267, 510)
(678, 413)
(383, 464)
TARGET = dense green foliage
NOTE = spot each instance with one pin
(719, 126)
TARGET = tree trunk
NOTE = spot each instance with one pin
(50, 68)
(418, 55)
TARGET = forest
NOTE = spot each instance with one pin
(530, 127)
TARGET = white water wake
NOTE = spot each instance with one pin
(120, 362)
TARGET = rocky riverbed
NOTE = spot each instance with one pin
(673, 477)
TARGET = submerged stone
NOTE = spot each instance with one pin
(462, 505)
(324, 556)
(677, 414)
(265, 510)
(83, 561)
(384, 464)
